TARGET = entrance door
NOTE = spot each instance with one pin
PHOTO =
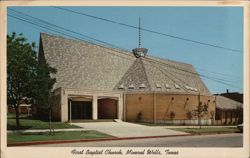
(107, 108)
(81, 110)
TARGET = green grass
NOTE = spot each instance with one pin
(208, 130)
(31, 123)
(43, 136)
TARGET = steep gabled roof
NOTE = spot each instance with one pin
(84, 65)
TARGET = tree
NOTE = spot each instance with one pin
(21, 70)
(200, 112)
(44, 97)
(26, 76)
(44, 84)
(52, 101)
(212, 116)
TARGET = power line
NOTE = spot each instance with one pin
(63, 28)
(43, 21)
(120, 51)
(217, 73)
(151, 31)
(53, 29)
(168, 75)
(183, 70)
(218, 80)
(24, 20)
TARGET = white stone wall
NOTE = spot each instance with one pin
(69, 93)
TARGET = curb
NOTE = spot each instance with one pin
(87, 140)
(212, 133)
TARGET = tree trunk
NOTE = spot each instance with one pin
(199, 121)
(17, 117)
(50, 121)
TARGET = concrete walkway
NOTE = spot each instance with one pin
(120, 125)
(125, 129)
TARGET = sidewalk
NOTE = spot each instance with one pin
(167, 126)
(47, 130)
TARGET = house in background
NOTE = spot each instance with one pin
(23, 109)
(96, 82)
(228, 111)
(233, 95)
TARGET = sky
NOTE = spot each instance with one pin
(220, 26)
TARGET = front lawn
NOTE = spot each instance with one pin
(43, 136)
(207, 130)
(31, 123)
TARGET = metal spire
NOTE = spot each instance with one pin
(140, 52)
(139, 32)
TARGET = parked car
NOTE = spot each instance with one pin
(240, 127)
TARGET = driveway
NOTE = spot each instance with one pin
(125, 129)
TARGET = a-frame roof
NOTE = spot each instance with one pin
(84, 65)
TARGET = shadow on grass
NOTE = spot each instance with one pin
(14, 127)
(25, 117)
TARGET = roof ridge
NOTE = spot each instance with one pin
(167, 60)
(117, 50)
(122, 51)
(164, 71)
(126, 78)
(144, 69)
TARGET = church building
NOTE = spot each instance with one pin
(96, 82)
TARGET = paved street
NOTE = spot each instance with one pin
(220, 140)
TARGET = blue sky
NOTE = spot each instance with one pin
(222, 26)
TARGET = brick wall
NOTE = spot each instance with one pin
(136, 103)
(158, 107)
(227, 117)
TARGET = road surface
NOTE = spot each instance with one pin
(219, 140)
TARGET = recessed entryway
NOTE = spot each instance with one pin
(107, 108)
(80, 110)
